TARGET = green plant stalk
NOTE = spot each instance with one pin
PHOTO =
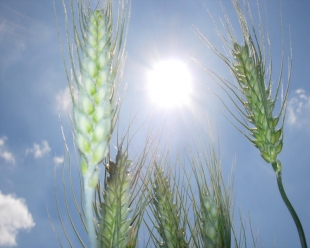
(278, 169)
(250, 75)
(89, 195)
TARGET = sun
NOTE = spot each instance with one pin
(169, 84)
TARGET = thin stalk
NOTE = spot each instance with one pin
(89, 194)
(277, 167)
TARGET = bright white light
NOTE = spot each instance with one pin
(169, 84)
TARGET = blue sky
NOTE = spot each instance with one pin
(33, 94)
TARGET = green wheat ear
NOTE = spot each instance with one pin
(254, 92)
(114, 227)
(214, 206)
(167, 213)
(248, 65)
(209, 219)
(100, 57)
(249, 71)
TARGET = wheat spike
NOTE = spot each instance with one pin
(250, 74)
(100, 55)
(166, 212)
(93, 112)
(213, 215)
(209, 222)
(114, 228)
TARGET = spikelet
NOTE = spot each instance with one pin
(209, 218)
(166, 212)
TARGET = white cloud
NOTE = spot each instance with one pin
(298, 109)
(63, 99)
(4, 152)
(58, 160)
(14, 215)
(39, 151)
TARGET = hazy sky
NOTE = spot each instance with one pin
(33, 94)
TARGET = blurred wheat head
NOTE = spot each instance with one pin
(190, 205)
(167, 206)
(213, 210)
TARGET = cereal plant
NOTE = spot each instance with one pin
(253, 94)
(177, 206)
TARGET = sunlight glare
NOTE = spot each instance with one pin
(169, 84)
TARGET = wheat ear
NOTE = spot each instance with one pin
(100, 58)
(209, 221)
(212, 215)
(93, 113)
(167, 213)
(249, 68)
(114, 226)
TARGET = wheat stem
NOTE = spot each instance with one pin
(89, 195)
(277, 166)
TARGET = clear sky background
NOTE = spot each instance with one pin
(33, 92)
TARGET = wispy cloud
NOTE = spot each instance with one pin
(2, 29)
(14, 216)
(14, 45)
(58, 160)
(39, 151)
(18, 32)
(63, 100)
(298, 109)
(4, 152)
